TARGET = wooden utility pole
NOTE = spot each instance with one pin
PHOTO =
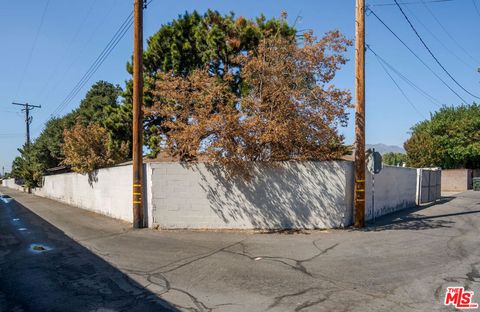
(359, 195)
(137, 151)
(28, 119)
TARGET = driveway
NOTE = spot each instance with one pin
(93, 263)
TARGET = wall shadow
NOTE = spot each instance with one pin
(286, 195)
(92, 177)
(412, 219)
(42, 269)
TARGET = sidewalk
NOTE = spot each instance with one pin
(404, 263)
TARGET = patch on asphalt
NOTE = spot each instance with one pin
(39, 248)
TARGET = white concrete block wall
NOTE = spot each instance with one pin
(10, 183)
(292, 195)
(201, 196)
(107, 192)
(395, 189)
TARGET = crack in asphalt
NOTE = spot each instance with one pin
(474, 273)
(154, 279)
(299, 264)
(308, 304)
(156, 275)
(303, 305)
(459, 247)
(89, 239)
(204, 256)
(338, 286)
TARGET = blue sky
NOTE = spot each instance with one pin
(41, 65)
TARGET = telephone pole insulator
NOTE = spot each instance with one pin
(28, 119)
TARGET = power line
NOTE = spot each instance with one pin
(117, 37)
(476, 7)
(469, 65)
(397, 85)
(404, 78)
(409, 2)
(416, 56)
(431, 53)
(71, 64)
(80, 51)
(119, 34)
(58, 61)
(27, 64)
(447, 32)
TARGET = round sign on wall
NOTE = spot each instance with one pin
(374, 162)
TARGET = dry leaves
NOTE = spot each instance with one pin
(288, 110)
(87, 148)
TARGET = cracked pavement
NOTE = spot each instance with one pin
(403, 262)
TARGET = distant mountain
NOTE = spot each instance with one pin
(382, 148)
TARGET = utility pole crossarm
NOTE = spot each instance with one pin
(27, 105)
(28, 120)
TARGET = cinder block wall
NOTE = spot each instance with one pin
(301, 195)
(456, 180)
(395, 189)
(10, 183)
(107, 191)
(291, 195)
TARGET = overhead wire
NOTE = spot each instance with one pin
(448, 32)
(80, 52)
(445, 46)
(119, 34)
(409, 2)
(117, 37)
(476, 7)
(32, 49)
(59, 60)
(398, 87)
(428, 96)
(433, 55)
(52, 114)
(416, 55)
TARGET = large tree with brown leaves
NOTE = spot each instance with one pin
(287, 109)
(90, 147)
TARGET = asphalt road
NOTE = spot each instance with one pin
(93, 263)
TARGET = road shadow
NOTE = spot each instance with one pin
(42, 269)
(413, 219)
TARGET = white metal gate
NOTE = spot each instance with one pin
(428, 185)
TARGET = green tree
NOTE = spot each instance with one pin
(394, 159)
(49, 144)
(27, 167)
(449, 139)
(93, 108)
(101, 107)
(195, 41)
